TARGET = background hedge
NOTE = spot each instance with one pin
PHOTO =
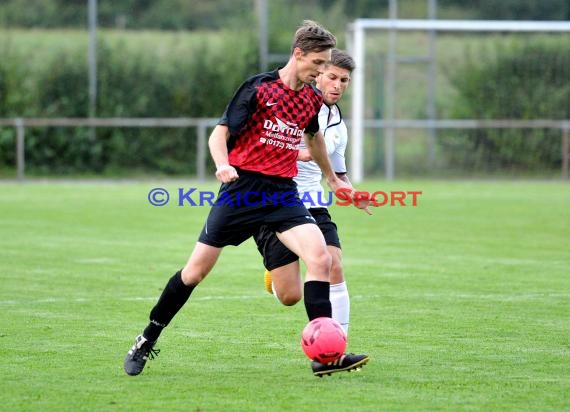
(191, 73)
(221, 14)
(519, 80)
(141, 79)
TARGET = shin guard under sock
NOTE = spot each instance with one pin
(173, 297)
(340, 302)
(317, 301)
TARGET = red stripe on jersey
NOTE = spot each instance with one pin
(268, 142)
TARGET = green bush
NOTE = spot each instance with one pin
(141, 79)
(521, 80)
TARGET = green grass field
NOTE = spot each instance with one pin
(462, 302)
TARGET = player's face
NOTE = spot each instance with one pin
(332, 83)
(310, 65)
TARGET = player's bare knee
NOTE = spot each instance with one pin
(319, 266)
(289, 299)
(337, 274)
(324, 260)
(192, 275)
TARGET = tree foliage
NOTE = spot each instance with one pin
(218, 14)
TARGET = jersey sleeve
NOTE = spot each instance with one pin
(337, 156)
(330, 144)
(239, 109)
(313, 126)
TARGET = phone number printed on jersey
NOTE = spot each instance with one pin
(279, 144)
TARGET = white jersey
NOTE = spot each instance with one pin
(310, 175)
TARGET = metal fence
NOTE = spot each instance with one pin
(562, 125)
(203, 124)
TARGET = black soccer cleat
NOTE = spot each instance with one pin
(347, 362)
(141, 351)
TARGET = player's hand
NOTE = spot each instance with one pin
(304, 155)
(359, 199)
(226, 173)
(361, 202)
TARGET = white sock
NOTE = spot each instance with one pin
(340, 305)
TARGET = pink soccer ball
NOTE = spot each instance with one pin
(323, 340)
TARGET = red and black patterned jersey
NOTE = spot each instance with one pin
(266, 120)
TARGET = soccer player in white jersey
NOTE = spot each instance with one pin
(282, 277)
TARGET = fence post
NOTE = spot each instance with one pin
(20, 156)
(565, 153)
(201, 151)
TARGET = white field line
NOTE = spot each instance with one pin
(494, 297)
(125, 299)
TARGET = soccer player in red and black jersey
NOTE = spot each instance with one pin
(255, 147)
(283, 275)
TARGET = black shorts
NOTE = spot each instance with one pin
(252, 201)
(276, 254)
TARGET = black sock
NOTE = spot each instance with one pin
(173, 297)
(317, 299)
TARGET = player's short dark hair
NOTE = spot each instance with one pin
(312, 37)
(342, 59)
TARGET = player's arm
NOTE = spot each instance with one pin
(337, 150)
(235, 115)
(317, 149)
(359, 202)
(218, 144)
(344, 178)
(304, 155)
(315, 142)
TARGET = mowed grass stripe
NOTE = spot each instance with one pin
(461, 302)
